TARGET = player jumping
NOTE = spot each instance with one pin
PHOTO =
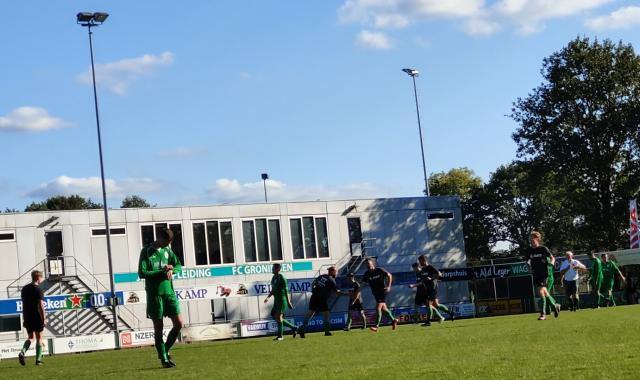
(379, 281)
(33, 315)
(281, 301)
(538, 257)
(156, 266)
(321, 289)
(355, 303)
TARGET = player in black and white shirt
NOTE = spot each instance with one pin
(379, 281)
(322, 288)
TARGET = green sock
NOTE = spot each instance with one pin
(443, 308)
(160, 348)
(543, 309)
(349, 320)
(38, 351)
(390, 315)
(364, 319)
(552, 301)
(437, 313)
(379, 318)
(25, 346)
(289, 324)
(280, 328)
(430, 314)
(171, 339)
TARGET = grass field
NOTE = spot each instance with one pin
(589, 344)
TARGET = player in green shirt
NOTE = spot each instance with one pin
(609, 271)
(595, 278)
(156, 266)
(281, 301)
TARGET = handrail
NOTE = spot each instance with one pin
(17, 283)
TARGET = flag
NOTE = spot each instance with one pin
(634, 233)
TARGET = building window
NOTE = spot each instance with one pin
(149, 232)
(447, 215)
(262, 241)
(113, 231)
(6, 236)
(309, 237)
(213, 242)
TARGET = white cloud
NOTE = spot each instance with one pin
(117, 76)
(92, 187)
(233, 191)
(477, 17)
(32, 119)
(619, 19)
(373, 40)
(181, 152)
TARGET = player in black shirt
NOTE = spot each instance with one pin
(539, 259)
(428, 277)
(322, 288)
(355, 302)
(379, 281)
(33, 316)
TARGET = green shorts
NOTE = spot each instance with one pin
(596, 283)
(165, 305)
(607, 285)
(280, 305)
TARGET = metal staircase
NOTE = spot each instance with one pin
(67, 276)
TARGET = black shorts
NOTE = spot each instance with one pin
(380, 297)
(539, 282)
(33, 324)
(570, 287)
(421, 296)
(318, 304)
(356, 306)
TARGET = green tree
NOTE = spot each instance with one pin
(583, 123)
(63, 202)
(457, 181)
(134, 201)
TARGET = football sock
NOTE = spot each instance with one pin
(326, 323)
(25, 346)
(171, 339)
(378, 317)
(444, 308)
(551, 300)
(162, 353)
(280, 328)
(288, 324)
(38, 351)
(364, 319)
(543, 309)
(390, 314)
(437, 313)
(349, 321)
(430, 314)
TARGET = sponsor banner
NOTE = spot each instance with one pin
(84, 343)
(405, 314)
(209, 292)
(62, 302)
(209, 332)
(9, 350)
(500, 307)
(634, 230)
(457, 274)
(232, 270)
(268, 327)
(501, 271)
(140, 338)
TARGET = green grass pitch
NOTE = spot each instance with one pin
(588, 344)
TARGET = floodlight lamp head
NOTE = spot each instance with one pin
(100, 17)
(265, 176)
(91, 19)
(411, 72)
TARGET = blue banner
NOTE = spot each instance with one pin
(62, 302)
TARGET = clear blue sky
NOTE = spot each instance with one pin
(198, 98)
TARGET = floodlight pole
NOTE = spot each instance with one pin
(413, 74)
(265, 177)
(113, 298)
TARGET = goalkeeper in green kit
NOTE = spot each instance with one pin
(156, 266)
(281, 301)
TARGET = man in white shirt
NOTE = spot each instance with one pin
(570, 272)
